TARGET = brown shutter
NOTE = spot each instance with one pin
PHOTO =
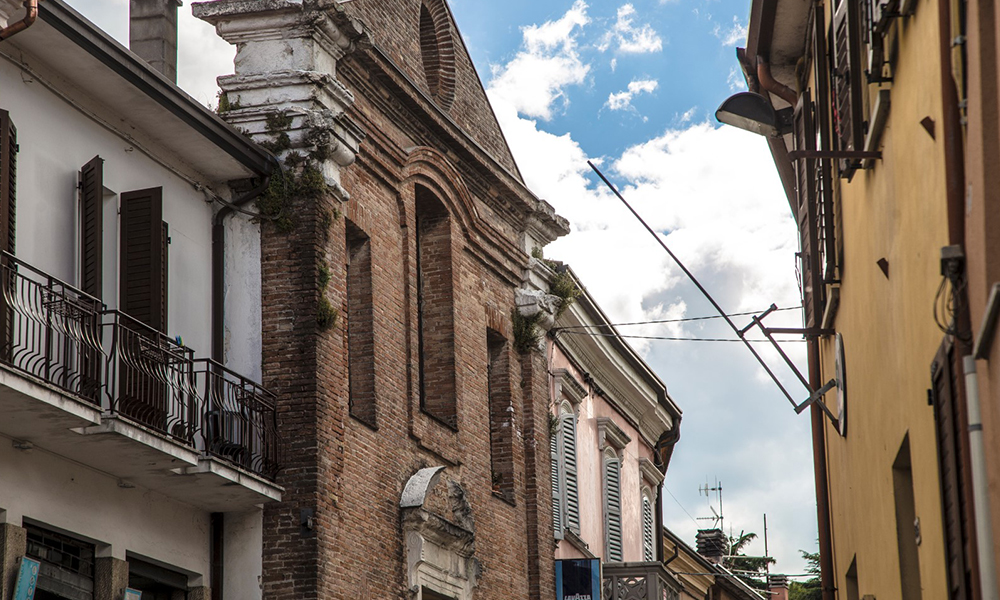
(847, 82)
(805, 169)
(948, 420)
(92, 226)
(144, 258)
(8, 182)
(824, 192)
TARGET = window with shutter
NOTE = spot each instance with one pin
(8, 182)
(612, 507)
(92, 227)
(847, 83)
(555, 475)
(829, 262)
(949, 424)
(144, 258)
(806, 209)
(8, 198)
(569, 465)
(648, 541)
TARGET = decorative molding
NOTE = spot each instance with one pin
(609, 434)
(650, 473)
(567, 385)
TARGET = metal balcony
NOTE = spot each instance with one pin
(639, 581)
(113, 393)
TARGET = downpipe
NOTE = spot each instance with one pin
(980, 484)
(31, 6)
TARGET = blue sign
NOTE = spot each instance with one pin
(27, 579)
(578, 579)
(131, 594)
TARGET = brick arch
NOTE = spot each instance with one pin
(429, 168)
(437, 50)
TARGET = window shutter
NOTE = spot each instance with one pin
(827, 239)
(613, 509)
(8, 182)
(92, 226)
(144, 257)
(848, 118)
(647, 530)
(948, 423)
(569, 465)
(557, 512)
(805, 180)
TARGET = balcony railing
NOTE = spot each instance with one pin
(49, 330)
(638, 581)
(239, 423)
(65, 338)
(149, 378)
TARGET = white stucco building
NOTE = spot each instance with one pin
(129, 458)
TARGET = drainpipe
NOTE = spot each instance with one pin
(980, 484)
(219, 269)
(820, 476)
(31, 6)
(769, 83)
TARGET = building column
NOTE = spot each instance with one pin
(110, 578)
(13, 545)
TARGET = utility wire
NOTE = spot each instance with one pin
(669, 339)
(693, 520)
(697, 283)
(684, 320)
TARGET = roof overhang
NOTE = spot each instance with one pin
(616, 368)
(87, 65)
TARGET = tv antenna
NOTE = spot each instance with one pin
(717, 518)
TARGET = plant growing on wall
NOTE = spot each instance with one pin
(525, 329)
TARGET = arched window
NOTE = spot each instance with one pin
(437, 51)
(648, 527)
(435, 309)
(612, 506)
(565, 486)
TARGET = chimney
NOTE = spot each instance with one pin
(152, 33)
(777, 587)
(711, 544)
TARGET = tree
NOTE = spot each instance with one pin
(810, 589)
(751, 569)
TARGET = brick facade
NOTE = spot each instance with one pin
(429, 220)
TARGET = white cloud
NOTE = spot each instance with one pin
(735, 80)
(533, 82)
(736, 34)
(623, 100)
(628, 38)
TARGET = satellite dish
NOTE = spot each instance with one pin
(841, 378)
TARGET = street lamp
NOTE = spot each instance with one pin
(753, 112)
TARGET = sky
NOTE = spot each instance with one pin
(633, 86)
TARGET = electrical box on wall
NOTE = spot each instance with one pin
(578, 579)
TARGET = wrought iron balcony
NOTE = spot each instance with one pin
(149, 378)
(50, 330)
(639, 581)
(65, 339)
(239, 422)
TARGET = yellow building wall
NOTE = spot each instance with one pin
(897, 210)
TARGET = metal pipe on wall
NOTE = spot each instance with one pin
(980, 482)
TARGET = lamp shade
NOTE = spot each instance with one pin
(752, 112)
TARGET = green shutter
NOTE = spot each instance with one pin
(557, 512)
(613, 509)
(648, 548)
(569, 466)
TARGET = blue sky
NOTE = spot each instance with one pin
(633, 85)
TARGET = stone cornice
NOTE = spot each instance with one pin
(610, 434)
(650, 473)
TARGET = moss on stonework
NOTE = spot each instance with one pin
(278, 121)
(322, 275)
(326, 315)
(305, 182)
(566, 289)
(526, 333)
